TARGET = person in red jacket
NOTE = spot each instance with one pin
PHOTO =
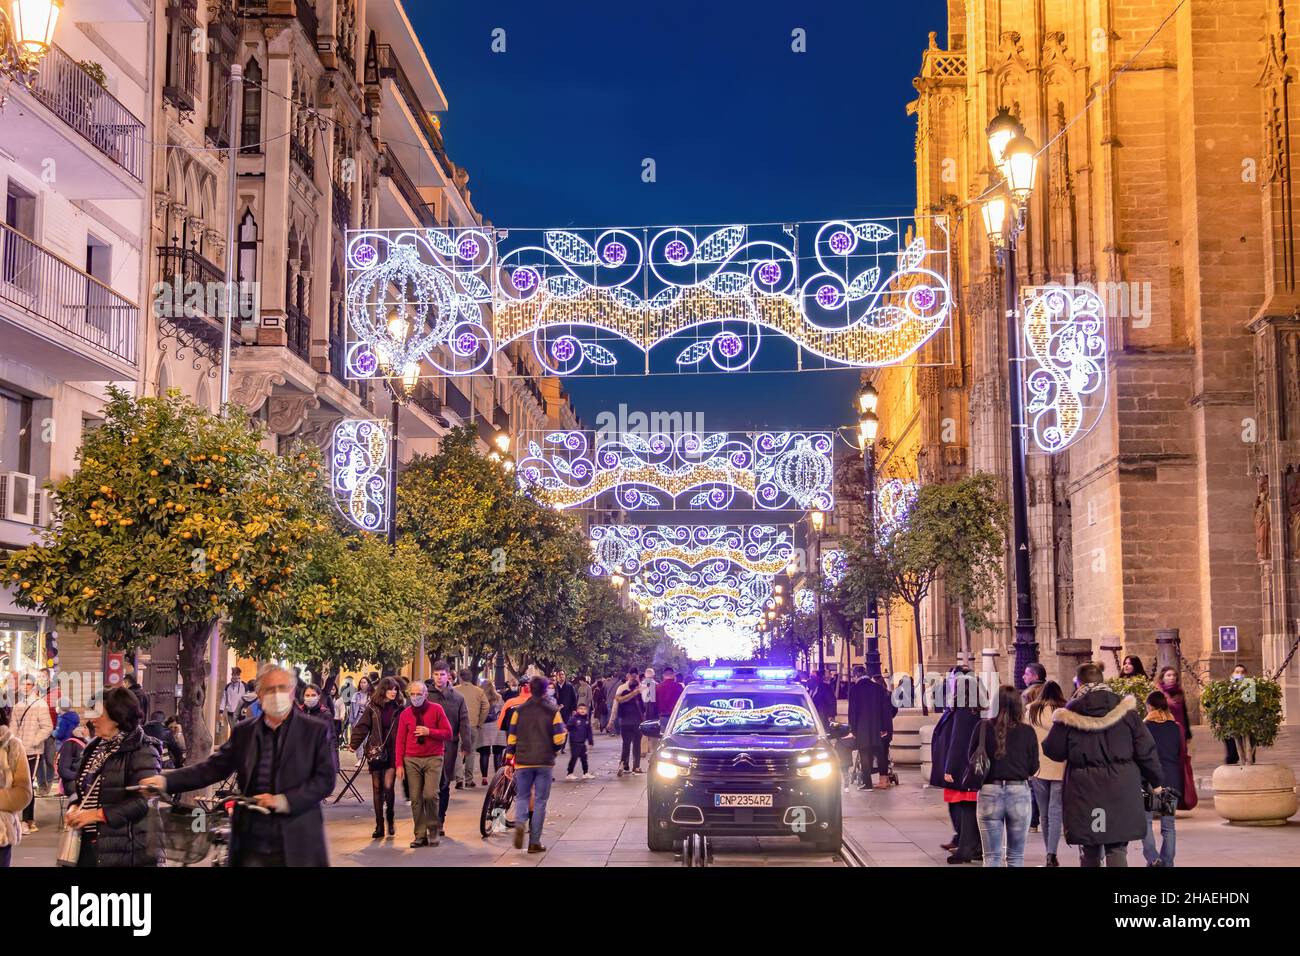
(422, 731)
(666, 695)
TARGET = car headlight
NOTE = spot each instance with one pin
(818, 771)
(668, 771)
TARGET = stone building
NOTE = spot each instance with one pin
(1164, 185)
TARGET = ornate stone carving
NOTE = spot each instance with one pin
(250, 390)
(320, 431)
(1263, 548)
(286, 413)
(1292, 480)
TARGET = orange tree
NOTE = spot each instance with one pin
(174, 520)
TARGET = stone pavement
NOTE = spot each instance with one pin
(602, 823)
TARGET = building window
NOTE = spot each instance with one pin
(247, 263)
(181, 85)
(250, 129)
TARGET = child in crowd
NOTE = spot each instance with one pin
(580, 738)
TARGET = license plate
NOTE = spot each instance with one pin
(724, 800)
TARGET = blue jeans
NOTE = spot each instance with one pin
(1002, 811)
(534, 782)
(1047, 796)
(1166, 854)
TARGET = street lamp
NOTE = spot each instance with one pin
(1016, 157)
(617, 580)
(818, 519)
(868, 428)
(25, 36)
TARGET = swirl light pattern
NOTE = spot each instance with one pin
(1065, 363)
(359, 472)
(771, 470)
(846, 292)
(627, 548)
(894, 500)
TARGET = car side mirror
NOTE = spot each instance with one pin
(650, 728)
(837, 730)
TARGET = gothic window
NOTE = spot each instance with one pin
(250, 129)
(247, 261)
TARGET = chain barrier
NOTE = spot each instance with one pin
(1287, 661)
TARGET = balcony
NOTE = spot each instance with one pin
(298, 153)
(391, 213)
(84, 331)
(195, 304)
(63, 110)
(342, 208)
(456, 401)
(390, 68)
(297, 325)
(308, 18)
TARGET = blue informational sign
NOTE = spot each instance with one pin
(1227, 639)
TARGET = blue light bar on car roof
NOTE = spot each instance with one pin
(776, 673)
(714, 673)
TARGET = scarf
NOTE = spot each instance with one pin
(91, 776)
(1085, 689)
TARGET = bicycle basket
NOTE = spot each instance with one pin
(181, 834)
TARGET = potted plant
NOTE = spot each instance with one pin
(1249, 711)
(1138, 686)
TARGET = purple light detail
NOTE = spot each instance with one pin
(523, 279)
(828, 296)
(365, 254)
(466, 343)
(841, 242)
(729, 344)
(366, 362)
(562, 349)
(769, 273)
(615, 253)
(676, 251)
(468, 248)
(924, 297)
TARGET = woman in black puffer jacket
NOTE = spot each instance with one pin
(112, 818)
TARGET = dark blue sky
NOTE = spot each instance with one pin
(742, 129)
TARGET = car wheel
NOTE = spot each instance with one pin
(660, 841)
(832, 841)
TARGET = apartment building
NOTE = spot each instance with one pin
(75, 168)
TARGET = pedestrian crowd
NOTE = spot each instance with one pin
(1090, 769)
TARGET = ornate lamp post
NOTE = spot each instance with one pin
(1016, 158)
(818, 520)
(868, 427)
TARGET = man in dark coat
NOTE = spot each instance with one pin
(1107, 754)
(870, 713)
(286, 761)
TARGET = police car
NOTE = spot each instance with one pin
(744, 754)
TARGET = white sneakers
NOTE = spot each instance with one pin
(570, 777)
(588, 776)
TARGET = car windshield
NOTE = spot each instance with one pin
(739, 712)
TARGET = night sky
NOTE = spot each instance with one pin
(741, 128)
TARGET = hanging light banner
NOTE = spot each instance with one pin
(835, 563)
(1065, 368)
(771, 470)
(894, 500)
(850, 292)
(627, 548)
(359, 472)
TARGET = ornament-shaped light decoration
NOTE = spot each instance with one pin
(359, 472)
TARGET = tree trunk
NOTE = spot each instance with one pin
(920, 654)
(192, 663)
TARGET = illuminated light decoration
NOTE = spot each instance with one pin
(714, 639)
(359, 472)
(730, 719)
(410, 299)
(774, 470)
(761, 549)
(894, 501)
(850, 292)
(835, 563)
(794, 467)
(1065, 335)
(805, 601)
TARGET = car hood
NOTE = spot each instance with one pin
(702, 743)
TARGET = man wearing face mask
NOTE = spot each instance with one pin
(286, 761)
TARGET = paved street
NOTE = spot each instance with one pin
(602, 823)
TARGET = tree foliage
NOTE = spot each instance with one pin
(1248, 711)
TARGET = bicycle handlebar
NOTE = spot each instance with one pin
(236, 798)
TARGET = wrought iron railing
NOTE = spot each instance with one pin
(393, 169)
(44, 284)
(298, 327)
(342, 208)
(391, 68)
(298, 153)
(72, 94)
(195, 300)
(308, 18)
(427, 398)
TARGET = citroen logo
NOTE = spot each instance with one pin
(742, 759)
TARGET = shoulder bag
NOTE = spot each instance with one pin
(978, 766)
